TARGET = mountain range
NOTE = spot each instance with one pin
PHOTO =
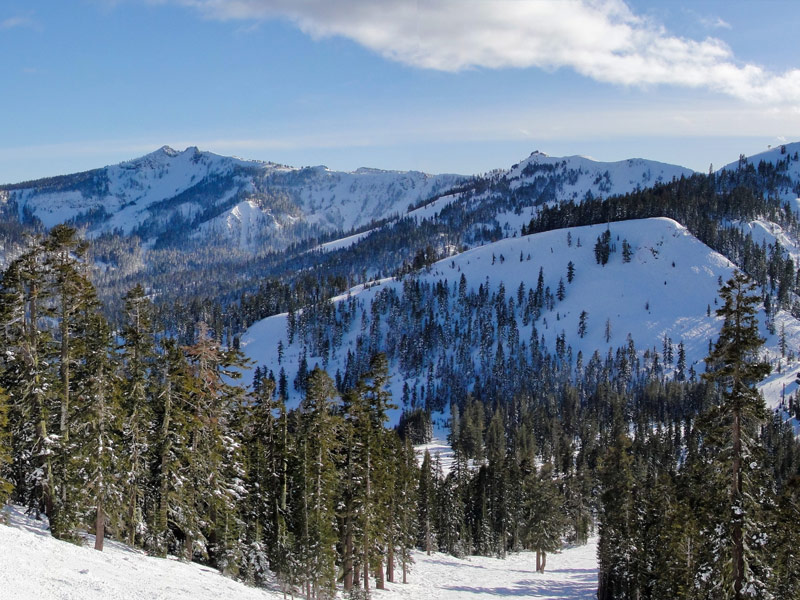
(152, 217)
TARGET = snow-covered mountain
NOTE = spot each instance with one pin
(254, 204)
(507, 199)
(776, 170)
(575, 177)
(667, 290)
(205, 194)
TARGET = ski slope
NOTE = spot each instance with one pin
(37, 567)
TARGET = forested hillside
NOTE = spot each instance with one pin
(595, 363)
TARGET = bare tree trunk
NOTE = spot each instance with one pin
(347, 564)
(428, 533)
(188, 547)
(366, 572)
(99, 528)
(736, 495)
(390, 563)
(379, 574)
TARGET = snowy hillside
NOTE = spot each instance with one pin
(38, 567)
(509, 198)
(666, 293)
(777, 170)
(574, 177)
(242, 201)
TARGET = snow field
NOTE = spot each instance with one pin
(37, 567)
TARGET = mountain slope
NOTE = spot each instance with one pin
(200, 191)
(576, 176)
(666, 293)
(776, 172)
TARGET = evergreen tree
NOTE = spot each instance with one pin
(71, 293)
(544, 517)
(785, 543)
(735, 367)
(215, 468)
(29, 381)
(316, 487)
(174, 519)
(426, 507)
(138, 354)
(602, 248)
(615, 549)
(404, 515)
(96, 428)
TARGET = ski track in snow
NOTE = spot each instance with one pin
(37, 567)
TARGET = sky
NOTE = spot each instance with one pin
(461, 86)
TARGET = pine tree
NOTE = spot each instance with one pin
(215, 468)
(615, 550)
(785, 542)
(316, 487)
(426, 507)
(96, 428)
(29, 381)
(174, 518)
(138, 354)
(367, 407)
(71, 293)
(602, 248)
(404, 516)
(734, 366)
(584, 316)
(544, 516)
(262, 444)
(627, 251)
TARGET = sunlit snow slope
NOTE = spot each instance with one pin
(37, 567)
(668, 289)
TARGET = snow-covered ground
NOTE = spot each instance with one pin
(34, 566)
(37, 567)
(571, 574)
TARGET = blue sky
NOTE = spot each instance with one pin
(441, 86)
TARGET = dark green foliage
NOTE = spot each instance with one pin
(602, 248)
(735, 367)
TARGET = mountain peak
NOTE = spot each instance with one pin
(168, 151)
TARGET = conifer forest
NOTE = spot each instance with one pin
(129, 409)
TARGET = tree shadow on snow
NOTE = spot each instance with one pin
(581, 586)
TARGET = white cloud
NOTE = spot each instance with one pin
(18, 21)
(716, 23)
(601, 39)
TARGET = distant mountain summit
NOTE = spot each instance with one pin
(191, 196)
(203, 194)
(776, 171)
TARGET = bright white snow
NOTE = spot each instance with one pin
(37, 567)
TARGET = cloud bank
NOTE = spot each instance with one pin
(600, 39)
